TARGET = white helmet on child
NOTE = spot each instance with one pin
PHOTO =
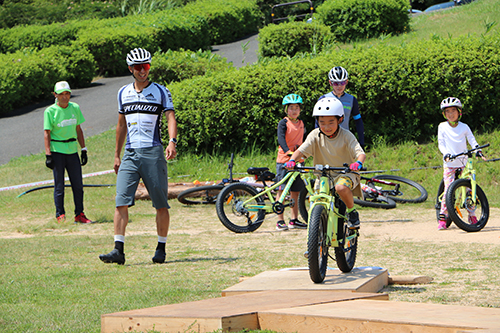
(338, 74)
(451, 101)
(328, 106)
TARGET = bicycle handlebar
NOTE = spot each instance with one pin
(467, 152)
(321, 168)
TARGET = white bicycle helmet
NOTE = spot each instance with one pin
(138, 56)
(451, 101)
(328, 106)
(338, 74)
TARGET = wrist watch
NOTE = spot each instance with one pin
(174, 140)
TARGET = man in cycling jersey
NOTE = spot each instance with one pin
(141, 105)
(338, 79)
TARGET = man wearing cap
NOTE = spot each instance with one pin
(61, 124)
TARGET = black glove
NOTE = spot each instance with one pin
(84, 157)
(49, 162)
(447, 157)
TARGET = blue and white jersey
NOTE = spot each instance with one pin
(351, 107)
(143, 112)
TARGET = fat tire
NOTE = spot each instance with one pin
(385, 202)
(423, 192)
(345, 254)
(450, 204)
(438, 204)
(207, 194)
(303, 203)
(226, 220)
(317, 248)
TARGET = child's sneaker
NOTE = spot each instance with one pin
(472, 219)
(442, 225)
(281, 226)
(61, 218)
(353, 222)
(296, 224)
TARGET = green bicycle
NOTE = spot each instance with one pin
(327, 226)
(242, 207)
(465, 199)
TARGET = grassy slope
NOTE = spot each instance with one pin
(51, 278)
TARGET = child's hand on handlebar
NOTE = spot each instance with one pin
(356, 166)
(447, 157)
(290, 164)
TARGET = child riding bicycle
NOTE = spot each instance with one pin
(333, 145)
(452, 139)
(291, 134)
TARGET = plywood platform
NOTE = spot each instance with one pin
(230, 314)
(358, 280)
(380, 316)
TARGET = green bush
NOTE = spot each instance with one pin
(288, 39)
(399, 90)
(179, 65)
(352, 20)
(30, 75)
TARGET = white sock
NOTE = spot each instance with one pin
(120, 238)
(162, 239)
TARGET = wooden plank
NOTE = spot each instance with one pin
(379, 316)
(358, 280)
(410, 279)
(227, 313)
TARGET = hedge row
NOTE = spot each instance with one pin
(30, 75)
(399, 89)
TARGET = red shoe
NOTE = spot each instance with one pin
(472, 219)
(82, 219)
(61, 218)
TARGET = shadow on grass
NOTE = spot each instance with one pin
(405, 289)
(220, 260)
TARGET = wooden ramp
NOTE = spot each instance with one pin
(358, 280)
(231, 314)
(373, 316)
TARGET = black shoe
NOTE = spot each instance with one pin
(113, 257)
(159, 257)
(353, 222)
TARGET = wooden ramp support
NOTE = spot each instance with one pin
(373, 316)
(231, 314)
(367, 279)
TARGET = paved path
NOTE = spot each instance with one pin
(21, 132)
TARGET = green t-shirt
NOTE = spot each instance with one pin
(62, 126)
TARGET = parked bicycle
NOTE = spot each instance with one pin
(207, 194)
(327, 227)
(242, 207)
(465, 197)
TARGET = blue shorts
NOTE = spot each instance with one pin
(281, 172)
(148, 164)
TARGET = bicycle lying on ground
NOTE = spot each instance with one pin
(207, 194)
(327, 227)
(384, 191)
(465, 197)
(242, 207)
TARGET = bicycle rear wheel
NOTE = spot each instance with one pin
(461, 206)
(233, 214)
(438, 204)
(409, 191)
(345, 253)
(304, 203)
(317, 247)
(200, 195)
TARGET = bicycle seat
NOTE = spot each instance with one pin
(256, 171)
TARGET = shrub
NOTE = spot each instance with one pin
(179, 65)
(358, 19)
(288, 39)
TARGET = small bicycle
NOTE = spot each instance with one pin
(465, 197)
(207, 194)
(242, 207)
(327, 227)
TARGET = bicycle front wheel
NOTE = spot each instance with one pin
(317, 246)
(467, 216)
(200, 195)
(233, 214)
(345, 253)
(409, 191)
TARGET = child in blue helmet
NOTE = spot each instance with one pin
(452, 139)
(291, 134)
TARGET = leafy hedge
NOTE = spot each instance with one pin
(180, 65)
(399, 89)
(30, 75)
(288, 39)
(351, 20)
